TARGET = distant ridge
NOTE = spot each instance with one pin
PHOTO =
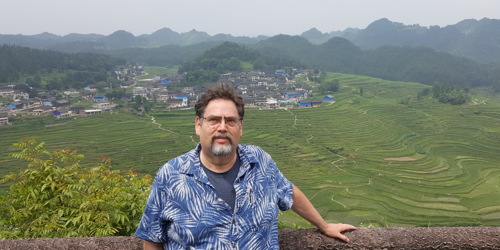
(470, 38)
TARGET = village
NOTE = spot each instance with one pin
(259, 89)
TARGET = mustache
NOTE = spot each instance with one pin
(223, 135)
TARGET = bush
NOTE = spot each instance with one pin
(55, 197)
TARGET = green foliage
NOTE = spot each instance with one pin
(223, 58)
(79, 68)
(412, 64)
(419, 149)
(334, 150)
(116, 94)
(26, 88)
(423, 93)
(232, 50)
(142, 104)
(200, 76)
(445, 93)
(330, 86)
(229, 57)
(165, 56)
(55, 197)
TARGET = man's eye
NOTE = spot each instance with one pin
(213, 120)
(231, 121)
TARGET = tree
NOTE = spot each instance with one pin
(449, 94)
(330, 86)
(34, 82)
(116, 94)
(142, 104)
(55, 197)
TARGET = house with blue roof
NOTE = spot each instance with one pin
(15, 105)
(99, 98)
(280, 72)
(294, 95)
(328, 98)
(61, 113)
(310, 103)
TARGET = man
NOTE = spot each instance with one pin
(222, 194)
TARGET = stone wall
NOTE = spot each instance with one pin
(363, 238)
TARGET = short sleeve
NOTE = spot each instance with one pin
(284, 187)
(151, 227)
(285, 191)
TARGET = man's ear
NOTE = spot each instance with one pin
(197, 125)
(241, 129)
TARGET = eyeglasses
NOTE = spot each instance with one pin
(215, 121)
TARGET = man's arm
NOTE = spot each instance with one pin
(303, 207)
(148, 245)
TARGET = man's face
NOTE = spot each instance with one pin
(220, 128)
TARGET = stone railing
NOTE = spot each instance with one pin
(363, 238)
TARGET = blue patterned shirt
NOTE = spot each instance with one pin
(183, 210)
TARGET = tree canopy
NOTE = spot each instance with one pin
(16, 62)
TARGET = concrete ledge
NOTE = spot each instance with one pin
(396, 238)
(363, 238)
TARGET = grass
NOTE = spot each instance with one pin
(156, 71)
(145, 79)
(452, 176)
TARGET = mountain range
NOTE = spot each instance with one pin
(474, 39)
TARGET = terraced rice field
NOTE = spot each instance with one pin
(131, 141)
(423, 164)
(365, 160)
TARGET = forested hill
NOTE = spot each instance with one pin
(411, 64)
(417, 64)
(206, 61)
(18, 61)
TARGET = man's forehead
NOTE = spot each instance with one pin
(221, 107)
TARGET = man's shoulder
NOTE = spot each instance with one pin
(250, 148)
(187, 159)
(253, 151)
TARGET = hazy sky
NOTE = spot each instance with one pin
(235, 17)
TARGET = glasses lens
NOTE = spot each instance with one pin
(213, 121)
(216, 120)
(231, 121)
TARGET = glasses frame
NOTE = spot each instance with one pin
(218, 121)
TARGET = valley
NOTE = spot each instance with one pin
(377, 157)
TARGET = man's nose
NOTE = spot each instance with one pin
(222, 125)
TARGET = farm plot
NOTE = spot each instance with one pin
(451, 179)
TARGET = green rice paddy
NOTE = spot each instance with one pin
(364, 160)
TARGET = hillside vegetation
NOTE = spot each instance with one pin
(377, 157)
(421, 64)
(72, 70)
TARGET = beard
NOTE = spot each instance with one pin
(221, 150)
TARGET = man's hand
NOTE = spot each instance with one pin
(335, 230)
(152, 246)
(303, 207)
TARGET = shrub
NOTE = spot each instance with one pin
(55, 197)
